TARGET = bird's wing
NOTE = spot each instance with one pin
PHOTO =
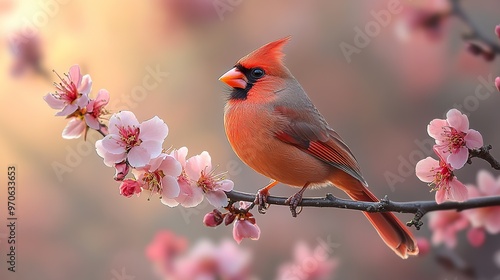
(320, 141)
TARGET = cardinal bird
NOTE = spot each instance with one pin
(274, 128)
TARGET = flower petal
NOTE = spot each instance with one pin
(154, 129)
(424, 169)
(74, 75)
(170, 187)
(217, 198)
(458, 191)
(138, 156)
(486, 182)
(113, 144)
(440, 196)
(86, 85)
(180, 155)
(492, 221)
(74, 129)
(435, 128)
(190, 196)
(109, 158)
(68, 110)
(53, 102)
(122, 119)
(153, 148)
(194, 167)
(245, 229)
(225, 185)
(102, 97)
(457, 120)
(473, 139)
(170, 166)
(206, 161)
(169, 201)
(458, 160)
(154, 163)
(92, 122)
(82, 101)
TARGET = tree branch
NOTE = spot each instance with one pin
(474, 33)
(484, 153)
(419, 208)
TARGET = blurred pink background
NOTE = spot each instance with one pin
(77, 226)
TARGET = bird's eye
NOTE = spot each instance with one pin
(257, 73)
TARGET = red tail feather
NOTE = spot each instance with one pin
(394, 233)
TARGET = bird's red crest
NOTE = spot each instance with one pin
(269, 56)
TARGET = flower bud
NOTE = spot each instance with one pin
(122, 169)
(130, 187)
(213, 219)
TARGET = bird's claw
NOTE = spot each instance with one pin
(294, 202)
(261, 200)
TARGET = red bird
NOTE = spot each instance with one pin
(274, 128)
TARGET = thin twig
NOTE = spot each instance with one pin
(484, 153)
(473, 33)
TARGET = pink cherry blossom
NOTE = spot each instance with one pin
(445, 225)
(453, 137)
(440, 174)
(430, 18)
(497, 31)
(95, 109)
(209, 261)
(497, 83)
(244, 228)
(164, 251)
(424, 247)
(27, 52)
(198, 179)
(131, 141)
(213, 186)
(309, 264)
(83, 118)
(71, 93)
(485, 217)
(476, 236)
(130, 187)
(189, 195)
(245, 225)
(159, 176)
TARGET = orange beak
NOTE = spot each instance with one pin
(234, 78)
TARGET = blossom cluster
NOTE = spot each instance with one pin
(173, 258)
(205, 260)
(453, 140)
(244, 222)
(136, 152)
(72, 98)
(446, 224)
